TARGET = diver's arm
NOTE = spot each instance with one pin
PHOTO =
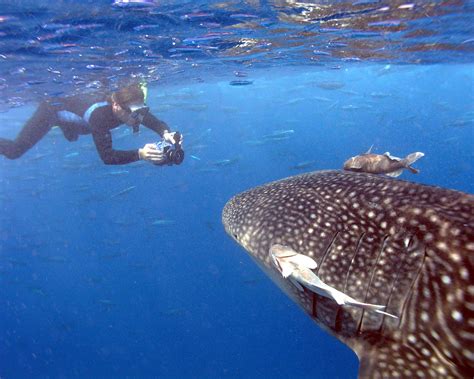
(153, 123)
(101, 121)
(161, 128)
(103, 143)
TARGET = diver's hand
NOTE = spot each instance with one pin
(150, 153)
(170, 137)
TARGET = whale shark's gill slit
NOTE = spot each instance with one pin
(314, 310)
(410, 291)
(326, 253)
(338, 319)
(356, 250)
(374, 269)
(394, 284)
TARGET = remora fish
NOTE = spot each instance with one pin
(298, 268)
(378, 241)
(382, 163)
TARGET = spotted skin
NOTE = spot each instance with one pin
(381, 241)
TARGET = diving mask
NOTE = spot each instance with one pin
(138, 112)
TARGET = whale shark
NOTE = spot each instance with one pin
(384, 265)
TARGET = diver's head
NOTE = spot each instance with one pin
(128, 104)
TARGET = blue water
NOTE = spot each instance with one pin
(126, 270)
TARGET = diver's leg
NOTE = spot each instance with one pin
(35, 128)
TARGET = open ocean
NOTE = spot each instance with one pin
(126, 271)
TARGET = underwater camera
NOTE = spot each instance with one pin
(173, 153)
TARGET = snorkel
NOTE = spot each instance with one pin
(140, 110)
(144, 88)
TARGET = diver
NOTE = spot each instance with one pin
(98, 114)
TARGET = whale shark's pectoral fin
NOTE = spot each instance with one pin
(298, 268)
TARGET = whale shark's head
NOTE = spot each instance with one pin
(406, 246)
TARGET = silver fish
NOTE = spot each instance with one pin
(382, 163)
(375, 243)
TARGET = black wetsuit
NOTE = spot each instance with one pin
(77, 115)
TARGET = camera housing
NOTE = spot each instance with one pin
(173, 153)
